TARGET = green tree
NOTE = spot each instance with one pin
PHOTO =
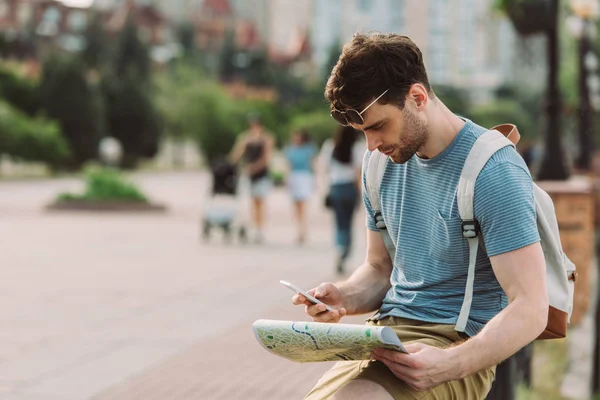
(332, 58)
(19, 91)
(129, 99)
(97, 47)
(227, 58)
(319, 125)
(455, 99)
(67, 96)
(505, 111)
(132, 55)
(185, 35)
(259, 71)
(132, 117)
(30, 139)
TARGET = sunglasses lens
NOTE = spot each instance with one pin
(354, 117)
(339, 117)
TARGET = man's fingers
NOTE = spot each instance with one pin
(315, 309)
(298, 299)
(318, 313)
(393, 356)
(323, 290)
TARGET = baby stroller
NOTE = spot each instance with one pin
(223, 206)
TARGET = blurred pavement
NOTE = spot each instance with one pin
(135, 306)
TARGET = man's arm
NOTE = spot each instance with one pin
(521, 273)
(364, 291)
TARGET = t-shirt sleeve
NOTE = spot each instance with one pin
(369, 214)
(504, 205)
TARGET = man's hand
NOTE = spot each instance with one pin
(328, 294)
(424, 368)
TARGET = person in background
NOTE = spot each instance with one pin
(253, 149)
(300, 155)
(341, 158)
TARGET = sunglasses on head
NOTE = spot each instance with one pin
(351, 116)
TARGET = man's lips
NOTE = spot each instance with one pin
(387, 153)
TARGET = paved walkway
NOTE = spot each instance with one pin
(136, 307)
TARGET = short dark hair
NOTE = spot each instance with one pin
(370, 64)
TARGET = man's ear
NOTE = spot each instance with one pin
(419, 96)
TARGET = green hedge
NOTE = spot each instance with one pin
(505, 111)
(106, 184)
(30, 139)
(19, 91)
(319, 125)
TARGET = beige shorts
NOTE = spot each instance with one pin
(473, 387)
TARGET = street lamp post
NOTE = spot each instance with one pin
(585, 122)
(581, 25)
(553, 166)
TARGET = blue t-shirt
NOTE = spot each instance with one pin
(419, 206)
(300, 157)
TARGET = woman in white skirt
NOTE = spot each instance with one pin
(300, 155)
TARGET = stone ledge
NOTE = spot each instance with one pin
(105, 206)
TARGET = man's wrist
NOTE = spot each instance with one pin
(460, 365)
(347, 293)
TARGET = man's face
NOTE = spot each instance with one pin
(399, 134)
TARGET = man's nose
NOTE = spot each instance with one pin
(373, 142)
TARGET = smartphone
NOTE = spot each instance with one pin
(303, 293)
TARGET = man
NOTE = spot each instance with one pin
(380, 86)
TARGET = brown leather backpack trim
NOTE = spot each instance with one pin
(557, 325)
(510, 131)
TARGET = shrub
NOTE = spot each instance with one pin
(106, 184)
(69, 98)
(278, 178)
(319, 125)
(30, 139)
(505, 111)
(19, 91)
(132, 117)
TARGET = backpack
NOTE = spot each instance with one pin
(560, 271)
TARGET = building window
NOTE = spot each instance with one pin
(52, 14)
(77, 21)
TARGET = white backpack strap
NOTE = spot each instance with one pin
(485, 147)
(375, 170)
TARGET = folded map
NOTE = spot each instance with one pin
(303, 341)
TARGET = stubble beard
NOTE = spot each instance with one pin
(412, 138)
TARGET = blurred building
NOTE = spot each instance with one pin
(14, 14)
(464, 43)
(335, 21)
(153, 27)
